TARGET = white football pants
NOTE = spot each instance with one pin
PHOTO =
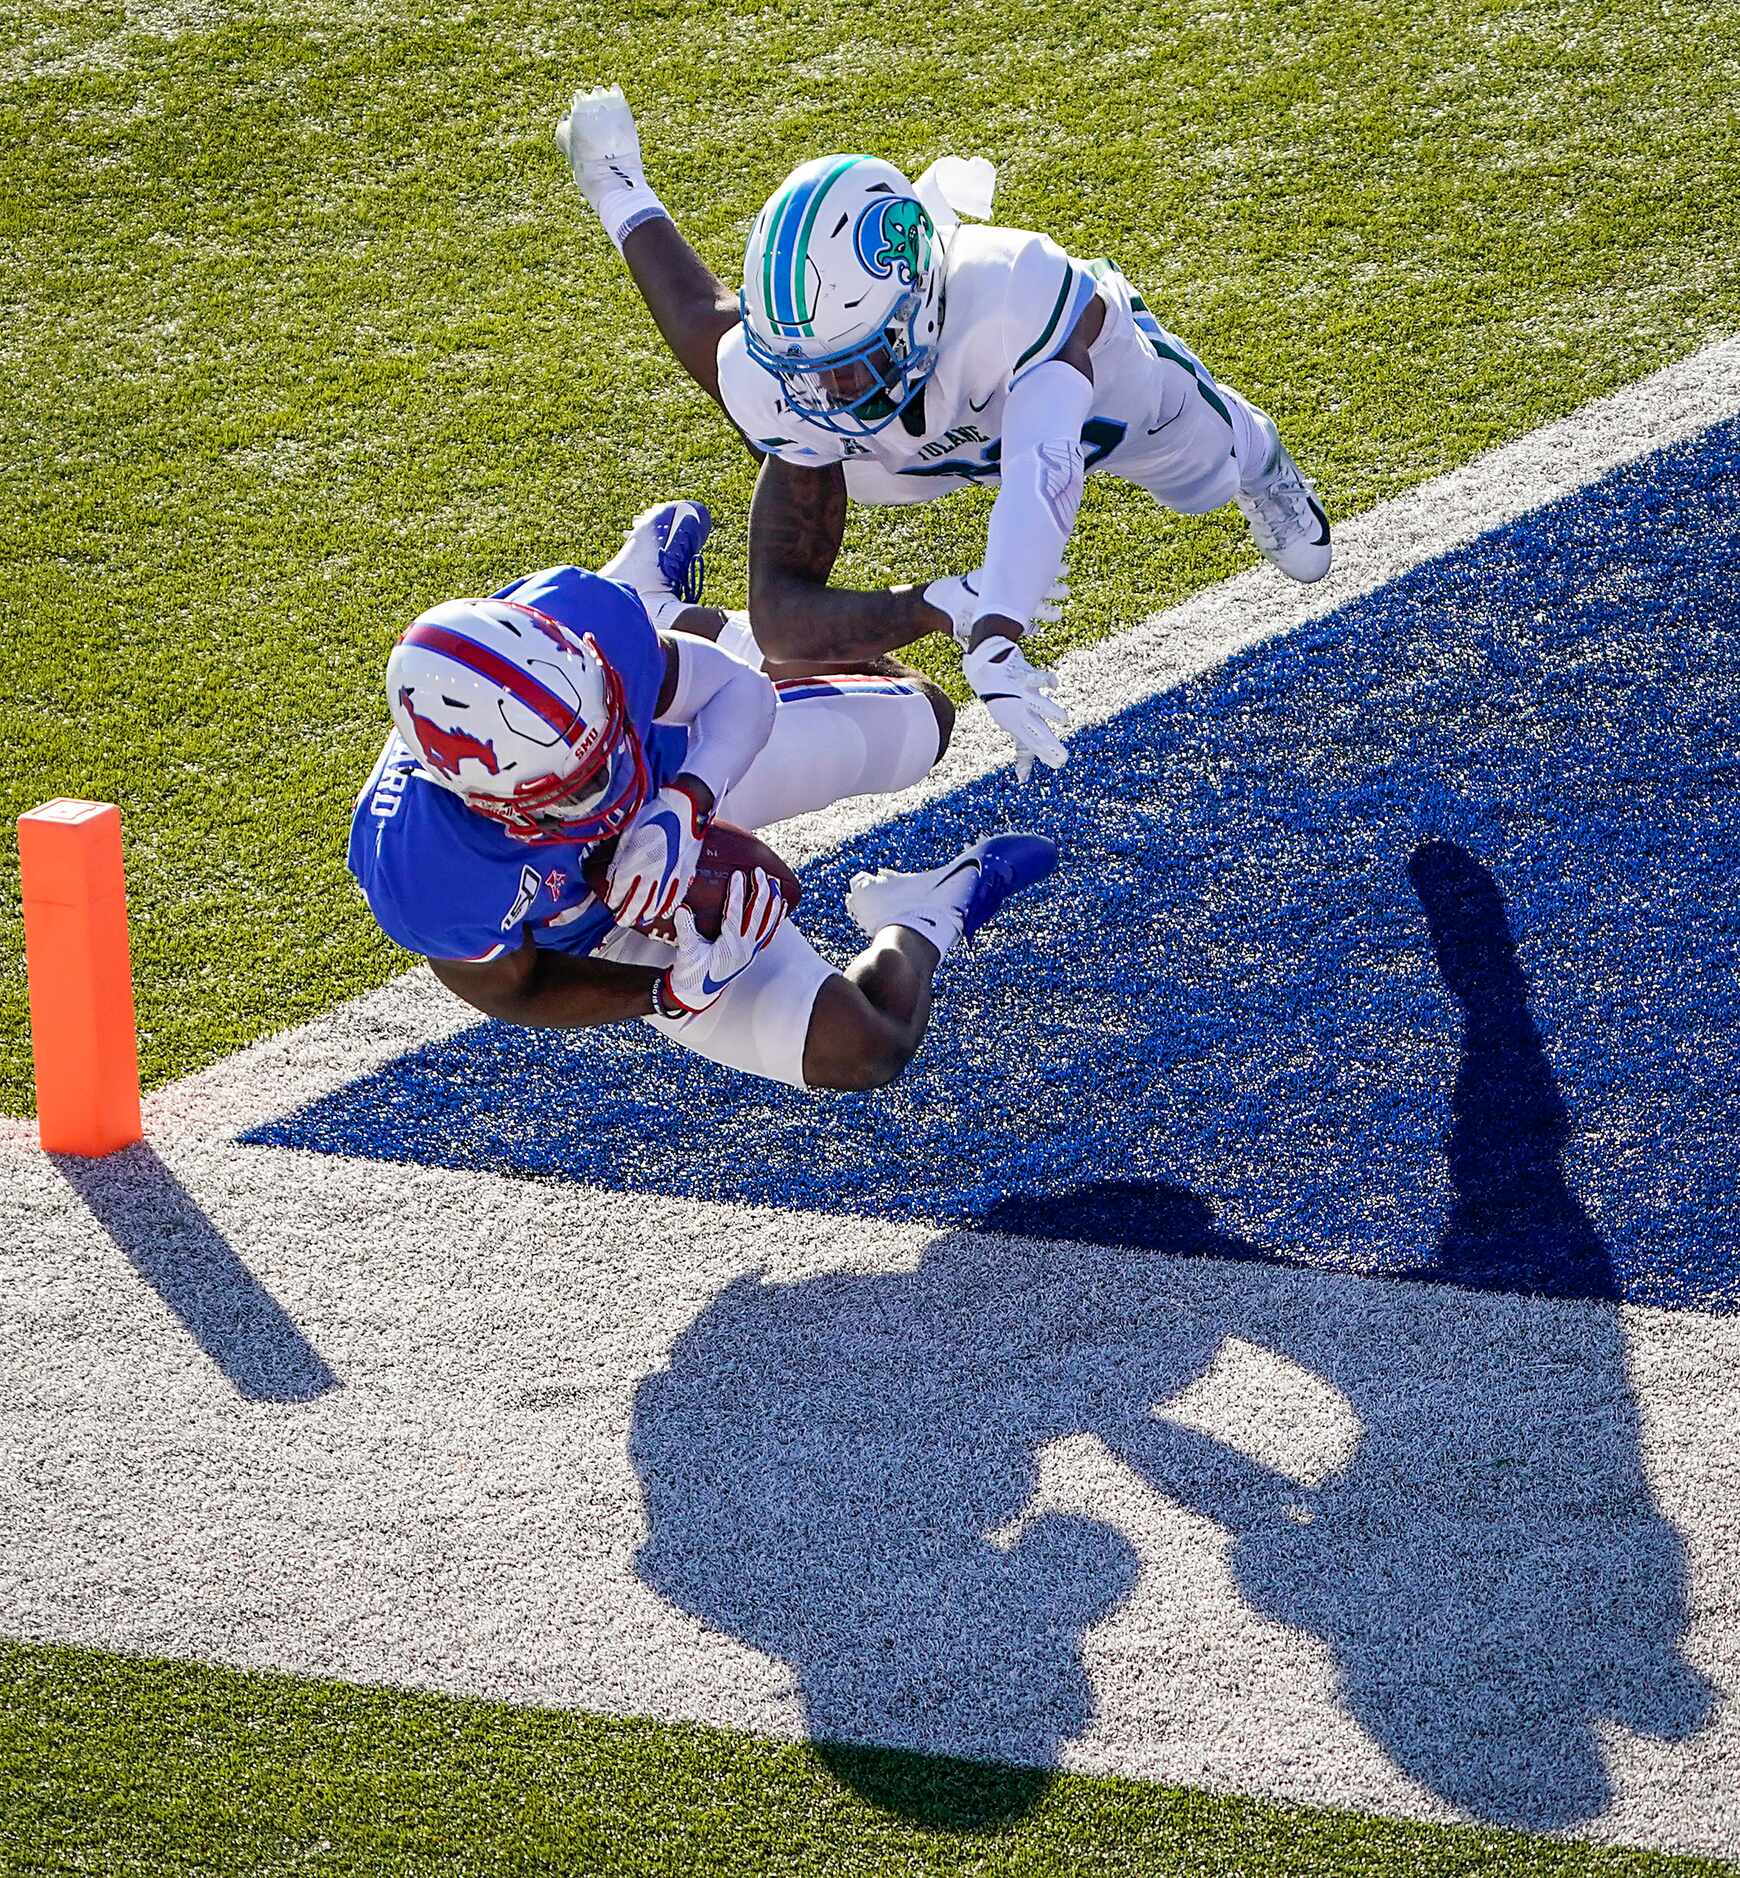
(832, 738)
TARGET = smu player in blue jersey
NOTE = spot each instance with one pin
(574, 719)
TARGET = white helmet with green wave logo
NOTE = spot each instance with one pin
(842, 293)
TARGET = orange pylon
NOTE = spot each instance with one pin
(81, 982)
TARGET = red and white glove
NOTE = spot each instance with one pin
(755, 909)
(655, 861)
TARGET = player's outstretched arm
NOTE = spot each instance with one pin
(599, 138)
(547, 990)
(1040, 490)
(685, 297)
(796, 525)
(1031, 523)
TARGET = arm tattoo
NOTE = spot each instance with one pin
(797, 521)
(796, 525)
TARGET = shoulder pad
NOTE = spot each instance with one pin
(1048, 292)
(1003, 285)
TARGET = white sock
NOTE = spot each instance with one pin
(939, 919)
(1254, 437)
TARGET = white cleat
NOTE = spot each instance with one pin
(1286, 519)
(600, 141)
(990, 871)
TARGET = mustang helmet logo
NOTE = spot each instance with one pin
(893, 232)
(445, 750)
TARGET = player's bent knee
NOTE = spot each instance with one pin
(941, 705)
(861, 1073)
(852, 1045)
(942, 708)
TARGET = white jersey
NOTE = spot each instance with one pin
(1011, 300)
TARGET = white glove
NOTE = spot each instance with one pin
(957, 595)
(704, 967)
(1018, 698)
(598, 131)
(598, 137)
(655, 861)
(661, 558)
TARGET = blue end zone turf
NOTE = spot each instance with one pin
(1408, 941)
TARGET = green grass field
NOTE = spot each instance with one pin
(307, 328)
(112, 1764)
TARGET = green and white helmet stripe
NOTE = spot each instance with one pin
(790, 220)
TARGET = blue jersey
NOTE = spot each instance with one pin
(452, 884)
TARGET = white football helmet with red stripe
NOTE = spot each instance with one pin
(524, 719)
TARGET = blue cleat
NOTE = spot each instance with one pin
(1007, 864)
(1001, 864)
(660, 557)
(683, 528)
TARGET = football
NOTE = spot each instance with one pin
(726, 849)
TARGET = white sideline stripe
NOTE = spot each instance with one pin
(1167, 649)
(463, 1513)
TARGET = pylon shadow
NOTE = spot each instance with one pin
(164, 1234)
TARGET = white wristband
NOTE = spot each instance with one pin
(624, 209)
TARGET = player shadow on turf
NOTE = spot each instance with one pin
(166, 1237)
(823, 1462)
(1485, 1663)
(843, 1470)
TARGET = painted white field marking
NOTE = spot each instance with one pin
(562, 1466)
(1165, 650)
(492, 1484)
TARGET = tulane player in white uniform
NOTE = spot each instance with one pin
(882, 350)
